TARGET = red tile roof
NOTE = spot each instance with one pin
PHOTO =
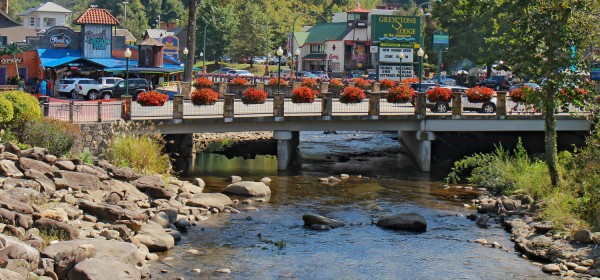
(97, 16)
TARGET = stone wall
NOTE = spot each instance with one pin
(95, 137)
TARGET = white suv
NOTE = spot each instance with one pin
(106, 82)
(76, 87)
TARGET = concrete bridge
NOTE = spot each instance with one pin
(417, 126)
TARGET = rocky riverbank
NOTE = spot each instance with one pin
(65, 219)
(572, 255)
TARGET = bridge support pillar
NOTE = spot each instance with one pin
(180, 147)
(287, 142)
(418, 145)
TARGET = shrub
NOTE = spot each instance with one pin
(273, 82)
(439, 94)
(387, 83)
(309, 82)
(254, 96)
(400, 94)
(238, 82)
(55, 135)
(480, 94)
(205, 96)
(361, 83)
(352, 95)
(304, 95)
(26, 106)
(152, 98)
(6, 111)
(142, 153)
(203, 83)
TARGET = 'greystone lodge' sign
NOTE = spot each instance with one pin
(97, 41)
(397, 29)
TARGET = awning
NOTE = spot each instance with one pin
(315, 56)
(58, 57)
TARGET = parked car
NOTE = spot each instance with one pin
(260, 59)
(88, 89)
(243, 73)
(136, 86)
(224, 70)
(519, 85)
(443, 107)
(444, 80)
(306, 74)
(68, 87)
(497, 82)
(106, 82)
(321, 74)
(424, 86)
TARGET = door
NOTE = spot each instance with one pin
(119, 89)
(23, 73)
(2, 76)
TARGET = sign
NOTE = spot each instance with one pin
(171, 46)
(595, 73)
(358, 52)
(440, 40)
(392, 55)
(99, 41)
(60, 41)
(374, 49)
(397, 29)
(392, 72)
(11, 60)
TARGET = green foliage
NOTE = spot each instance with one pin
(6, 111)
(26, 106)
(55, 135)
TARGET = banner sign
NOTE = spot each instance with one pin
(358, 52)
(397, 29)
(392, 55)
(392, 72)
(440, 40)
(60, 41)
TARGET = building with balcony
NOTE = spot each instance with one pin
(45, 16)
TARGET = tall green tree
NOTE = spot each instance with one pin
(251, 37)
(12, 49)
(219, 20)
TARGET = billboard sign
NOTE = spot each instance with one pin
(393, 72)
(398, 29)
(171, 46)
(392, 55)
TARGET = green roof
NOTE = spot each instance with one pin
(322, 32)
(301, 37)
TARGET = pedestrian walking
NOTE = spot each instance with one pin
(21, 85)
(43, 87)
(37, 87)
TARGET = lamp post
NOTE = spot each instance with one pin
(420, 53)
(185, 64)
(279, 54)
(203, 66)
(401, 55)
(127, 57)
(297, 53)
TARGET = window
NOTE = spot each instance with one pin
(317, 48)
(31, 21)
(49, 22)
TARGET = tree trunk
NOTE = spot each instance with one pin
(191, 40)
(550, 136)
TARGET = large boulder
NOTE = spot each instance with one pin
(92, 170)
(154, 237)
(46, 183)
(76, 181)
(111, 213)
(404, 221)
(11, 183)
(27, 163)
(210, 200)
(36, 153)
(65, 260)
(153, 186)
(124, 173)
(24, 195)
(15, 249)
(99, 269)
(6, 274)
(248, 188)
(312, 219)
(65, 165)
(15, 205)
(52, 227)
(126, 190)
(9, 169)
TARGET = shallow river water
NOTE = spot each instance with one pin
(271, 243)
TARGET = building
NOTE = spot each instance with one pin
(11, 30)
(45, 16)
(172, 37)
(129, 38)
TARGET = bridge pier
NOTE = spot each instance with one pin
(418, 145)
(180, 144)
(287, 142)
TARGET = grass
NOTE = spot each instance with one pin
(53, 234)
(142, 153)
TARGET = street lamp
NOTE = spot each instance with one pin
(185, 62)
(203, 66)
(420, 53)
(401, 57)
(297, 53)
(279, 54)
(127, 57)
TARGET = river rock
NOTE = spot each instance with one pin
(266, 180)
(161, 218)
(210, 200)
(583, 236)
(15, 249)
(404, 221)
(111, 213)
(312, 219)
(36, 153)
(235, 179)
(153, 186)
(92, 170)
(9, 156)
(101, 269)
(46, 183)
(52, 227)
(199, 182)
(124, 173)
(482, 220)
(50, 159)
(24, 195)
(15, 205)
(154, 237)
(76, 181)
(65, 260)
(65, 165)
(551, 268)
(126, 190)
(12, 148)
(6, 274)
(183, 224)
(320, 227)
(248, 188)
(191, 188)
(26, 163)
(9, 169)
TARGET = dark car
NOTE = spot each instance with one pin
(136, 86)
(424, 86)
(497, 82)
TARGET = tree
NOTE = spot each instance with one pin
(191, 39)
(546, 39)
(12, 49)
(220, 21)
(250, 33)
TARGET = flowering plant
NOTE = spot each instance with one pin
(205, 96)
(352, 95)
(254, 96)
(519, 94)
(335, 82)
(238, 82)
(570, 95)
(387, 83)
(152, 98)
(439, 94)
(480, 94)
(309, 82)
(304, 95)
(400, 94)
(361, 83)
(203, 83)
(411, 80)
(273, 82)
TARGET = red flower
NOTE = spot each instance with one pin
(361, 83)
(411, 80)
(519, 94)
(439, 94)
(304, 95)
(352, 95)
(309, 82)
(400, 94)
(480, 94)
(387, 83)
(238, 82)
(254, 96)
(273, 82)
(205, 96)
(152, 98)
(336, 83)
(203, 83)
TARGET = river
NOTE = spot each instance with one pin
(271, 243)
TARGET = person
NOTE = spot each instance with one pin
(21, 85)
(37, 87)
(49, 87)
(43, 87)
